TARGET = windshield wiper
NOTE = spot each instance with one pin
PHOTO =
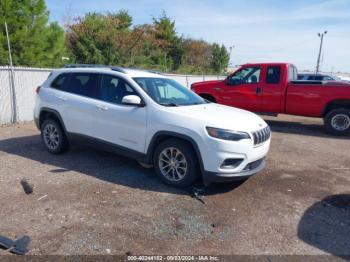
(168, 104)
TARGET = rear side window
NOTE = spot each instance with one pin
(60, 81)
(273, 75)
(85, 84)
(292, 73)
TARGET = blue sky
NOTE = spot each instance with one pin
(260, 30)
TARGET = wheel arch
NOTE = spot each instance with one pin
(48, 113)
(335, 104)
(161, 136)
(207, 96)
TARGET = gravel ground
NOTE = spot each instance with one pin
(91, 202)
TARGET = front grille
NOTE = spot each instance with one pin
(261, 135)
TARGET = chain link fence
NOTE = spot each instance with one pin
(17, 90)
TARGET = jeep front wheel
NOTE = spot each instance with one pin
(175, 163)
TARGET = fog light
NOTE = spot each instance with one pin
(231, 163)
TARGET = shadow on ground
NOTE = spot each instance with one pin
(326, 225)
(102, 165)
(300, 128)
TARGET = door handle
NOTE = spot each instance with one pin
(103, 108)
(62, 98)
(217, 88)
(258, 90)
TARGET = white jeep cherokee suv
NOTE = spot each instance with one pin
(152, 119)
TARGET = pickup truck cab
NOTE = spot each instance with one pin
(273, 88)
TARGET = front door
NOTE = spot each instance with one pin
(243, 89)
(122, 125)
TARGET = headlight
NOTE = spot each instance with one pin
(227, 134)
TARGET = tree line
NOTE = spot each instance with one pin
(103, 38)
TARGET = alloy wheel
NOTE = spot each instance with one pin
(173, 164)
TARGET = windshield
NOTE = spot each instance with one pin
(168, 92)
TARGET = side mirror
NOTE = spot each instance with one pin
(234, 81)
(132, 100)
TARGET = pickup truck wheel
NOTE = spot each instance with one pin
(53, 137)
(337, 121)
(176, 163)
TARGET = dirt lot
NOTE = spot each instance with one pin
(91, 202)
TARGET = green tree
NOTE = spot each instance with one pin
(169, 42)
(102, 39)
(34, 41)
(220, 58)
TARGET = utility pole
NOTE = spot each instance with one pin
(12, 87)
(320, 35)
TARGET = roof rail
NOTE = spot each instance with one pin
(114, 68)
(153, 71)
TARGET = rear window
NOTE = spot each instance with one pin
(60, 81)
(273, 75)
(292, 73)
(85, 84)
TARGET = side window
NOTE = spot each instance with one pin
(60, 81)
(114, 89)
(292, 73)
(273, 75)
(248, 75)
(85, 84)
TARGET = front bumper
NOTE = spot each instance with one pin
(250, 169)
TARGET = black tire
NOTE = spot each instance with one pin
(330, 122)
(62, 142)
(184, 148)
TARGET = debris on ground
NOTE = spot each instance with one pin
(198, 193)
(42, 197)
(18, 247)
(28, 189)
(215, 224)
(6, 243)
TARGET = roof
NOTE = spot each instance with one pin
(269, 63)
(131, 72)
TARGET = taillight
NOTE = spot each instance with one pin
(38, 89)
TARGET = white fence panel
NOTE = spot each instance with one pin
(5, 96)
(26, 80)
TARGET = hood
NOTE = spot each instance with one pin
(220, 116)
(203, 83)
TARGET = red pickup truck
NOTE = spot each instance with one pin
(272, 88)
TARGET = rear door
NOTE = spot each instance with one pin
(76, 95)
(272, 92)
(119, 124)
(243, 89)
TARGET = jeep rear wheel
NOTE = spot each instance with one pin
(53, 137)
(337, 121)
(175, 163)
